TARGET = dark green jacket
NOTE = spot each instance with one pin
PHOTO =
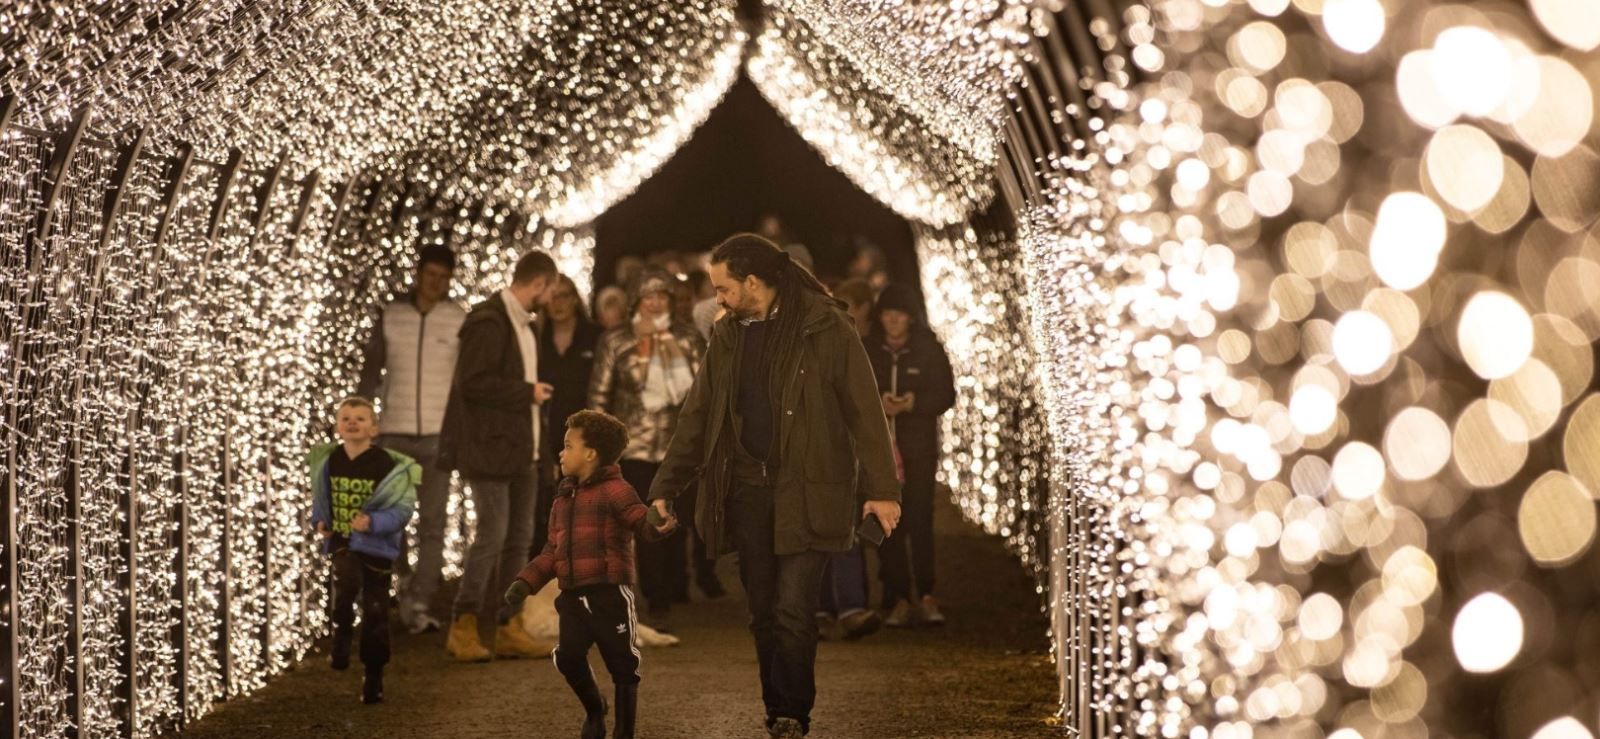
(830, 423)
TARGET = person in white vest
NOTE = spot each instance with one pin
(408, 364)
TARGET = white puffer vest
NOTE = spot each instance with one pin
(417, 371)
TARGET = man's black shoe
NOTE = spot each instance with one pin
(710, 586)
(372, 686)
(658, 617)
(786, 728)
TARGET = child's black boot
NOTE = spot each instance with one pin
(340, 658)
(594, 707)
(627, 706)
(372, 685)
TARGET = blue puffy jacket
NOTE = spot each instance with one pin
(390, 506)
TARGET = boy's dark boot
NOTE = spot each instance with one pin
(627, 706)
(372, 685)
(594, 706)
(340, 657)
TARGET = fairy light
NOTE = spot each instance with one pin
(1281, 405)
(993, 440)
(861, 131)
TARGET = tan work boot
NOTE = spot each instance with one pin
(512, 640)
(463, 643)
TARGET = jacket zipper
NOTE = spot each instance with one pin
(572, 521)
(422, 331)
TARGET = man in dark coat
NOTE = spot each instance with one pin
(782, 415)
(491, 436)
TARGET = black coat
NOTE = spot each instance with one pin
(569, 374)
(920, 367)
(488, 422)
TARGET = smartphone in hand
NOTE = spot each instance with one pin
(871, 529)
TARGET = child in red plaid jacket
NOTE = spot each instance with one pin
(593, 521)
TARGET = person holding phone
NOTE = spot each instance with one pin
(782, 419)
(917, 385)
(491, 435)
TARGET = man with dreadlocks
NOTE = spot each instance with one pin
(783, 415)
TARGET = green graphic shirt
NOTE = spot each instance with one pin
(352, 481)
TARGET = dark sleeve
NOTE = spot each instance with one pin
(862, 407)
(941, 392)
(478, 364)
(373, 358)
(687, 450)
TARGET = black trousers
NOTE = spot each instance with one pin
(363, 577)
(663, 565)
(783, 591)
(602, 616)
(907, 555)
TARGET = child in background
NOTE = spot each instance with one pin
(589, 552)
(362, 497)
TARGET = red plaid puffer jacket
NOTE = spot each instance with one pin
(591, 534)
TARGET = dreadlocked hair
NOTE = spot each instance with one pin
(747, 254)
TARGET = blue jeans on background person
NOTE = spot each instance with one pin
(844, 583)
(505, 508)
(433, 498)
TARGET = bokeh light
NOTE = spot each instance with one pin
(1487, 634)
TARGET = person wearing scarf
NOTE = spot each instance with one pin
(642, 373)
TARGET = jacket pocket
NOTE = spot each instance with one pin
(830, 508)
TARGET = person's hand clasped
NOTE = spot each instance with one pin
(362, 522)
(668, 521)
(543, 391)
(323, 530)
(891, 405)
(518, 592)
(887, 511)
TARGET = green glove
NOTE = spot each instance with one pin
(518, 592)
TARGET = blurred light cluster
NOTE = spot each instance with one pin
(994, 438)
(240, 186)
(897, 157)
(1361, 238)
(594, 102)
(947, 63)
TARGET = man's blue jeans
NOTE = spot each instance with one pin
(783, 593)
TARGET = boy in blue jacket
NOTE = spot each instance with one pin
(362, 496)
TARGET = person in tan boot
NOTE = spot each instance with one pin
(491, 434)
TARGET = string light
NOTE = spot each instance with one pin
(1287, 374)
(861, 131)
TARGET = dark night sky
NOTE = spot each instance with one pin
(743, 162)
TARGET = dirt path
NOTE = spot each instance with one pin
(986, 674)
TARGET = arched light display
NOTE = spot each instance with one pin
(1276, 359)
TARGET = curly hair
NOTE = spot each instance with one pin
(601, 432)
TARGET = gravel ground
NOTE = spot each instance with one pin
(986, 674)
